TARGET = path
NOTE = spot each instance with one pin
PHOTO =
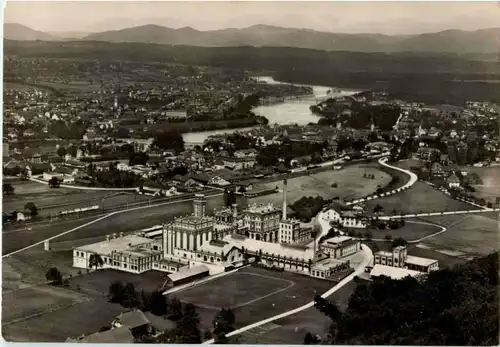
(443, 229)
(407, 185)
(360, 269)
(430, 214)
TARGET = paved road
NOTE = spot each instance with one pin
(83, 188)
(368, 256)
(442, 230)
(446, 213)
(383, 161)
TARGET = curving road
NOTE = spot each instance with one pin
(446, 213)
(83, 188)
(383, 161)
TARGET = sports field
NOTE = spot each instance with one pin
(420, 198)
(253, 294)
(292, 329)
(350, 184)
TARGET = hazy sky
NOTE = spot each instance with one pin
(348, 17)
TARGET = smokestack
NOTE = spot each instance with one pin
(235, 210)
(284, 198)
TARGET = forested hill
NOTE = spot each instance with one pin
(431, 78)
(457, 306)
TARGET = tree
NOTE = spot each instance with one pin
(30, 208)
(169, 140)
(54, 275)
(61, 151)
(139, 158)
(378, 208)
(116, 292)
(399, 241)
(54, 182)
(95, 260)
(175, 308)
(187, 329)
(72, 151)
(224, 321)
(158, 303)
(8, 189)
(130, 298)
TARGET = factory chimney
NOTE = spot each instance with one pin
(284, 198)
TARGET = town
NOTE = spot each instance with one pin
(167, 202)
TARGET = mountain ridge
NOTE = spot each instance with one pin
(482, 41)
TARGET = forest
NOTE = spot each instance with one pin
(454, 306)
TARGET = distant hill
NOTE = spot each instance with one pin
(70, 35)
(486, 41)
(18, 32)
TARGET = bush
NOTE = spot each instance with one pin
(54, 275)
(334, 185)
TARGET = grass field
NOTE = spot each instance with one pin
(350, 184)
(420, 198)
(410, 231)
(43, 313)
(53, 200)
(123, 222)
(473, 234)
(292, 329)
(490, 189)
(264, 288)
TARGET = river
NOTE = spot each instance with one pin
(291, 111)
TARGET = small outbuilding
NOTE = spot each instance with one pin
(186, 276)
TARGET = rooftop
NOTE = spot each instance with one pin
(262, 208)
(420, 261)
(282, 250)
(132, 319)
(185, 273)
(119, 335)
(338, 239)
(396, 273)
(193, 220)
(118, 244)
(327, 264)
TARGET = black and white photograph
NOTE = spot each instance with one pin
(251, 172)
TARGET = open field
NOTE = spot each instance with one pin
(251, 306)
(420, 198)
(81, 318)
(292, 329)
(122, 222)
(44, 313)
(98, 282)
(490, 189)
(350, 184)
(53, 200)
(472, 234)
(410, 231)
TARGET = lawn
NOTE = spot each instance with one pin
(82, 318)
(350, 184)
(243, 289)
(34, 300)
(98, 282)
(292, 329)
(420, 198)
(412, 230)
(473, 234)
(490, 189)
(254, 309)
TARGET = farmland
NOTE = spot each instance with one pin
(420, 198)
(490, 188)
(350, 184)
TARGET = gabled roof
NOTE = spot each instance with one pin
(118, 335)
(133, 319)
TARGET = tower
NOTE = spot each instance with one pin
(284, 198)
(200, 205)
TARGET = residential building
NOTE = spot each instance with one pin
(453, 181)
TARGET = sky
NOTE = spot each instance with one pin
(390, 18)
